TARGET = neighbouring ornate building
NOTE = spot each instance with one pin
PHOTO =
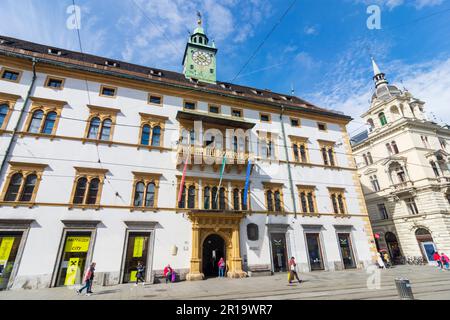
(403, 163)
(93, 156)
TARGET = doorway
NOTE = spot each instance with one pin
(345, 244)
(279, 252)
(426, 244)
(393, 247)
(137, 251)
(213, 250)
(9, 247)
(314, 251)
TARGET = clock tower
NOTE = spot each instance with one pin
(199, 61)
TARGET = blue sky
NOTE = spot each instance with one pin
(322, 48)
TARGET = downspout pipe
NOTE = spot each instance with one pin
(288, 162)
(19, 121)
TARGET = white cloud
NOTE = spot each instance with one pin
(391, 4)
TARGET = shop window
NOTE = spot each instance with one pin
(88, 186)
(252, 232)
(22, 182)
(338, 201)
(101, 122)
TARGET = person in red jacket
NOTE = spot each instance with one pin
(168, 273)
(88, 279)
(445, 260)
(437, 258)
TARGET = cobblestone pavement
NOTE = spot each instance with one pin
(427, 283)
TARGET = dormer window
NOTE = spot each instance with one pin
(156, 73)
(54, 52)
(111, 64)
(108, 91)
(225, 86)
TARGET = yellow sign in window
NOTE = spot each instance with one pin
(5, 248)
(138, 247)
(77, 244)
(72, 271)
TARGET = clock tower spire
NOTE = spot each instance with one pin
(199, 61)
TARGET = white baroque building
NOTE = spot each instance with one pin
(93, 153)
(403, 163)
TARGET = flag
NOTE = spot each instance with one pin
(247, 181)
(224, 162)
(183, 178)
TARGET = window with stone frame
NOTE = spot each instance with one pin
(152, 130)
(155, 99)
(189, 195)
(412, 206)
(237, 193)
(443, 143)
(145, 190)
(108, 91)
(7, 103)
(328, 153)
(87, 186)
(308, 202)
(338, 201)
(214, 198)
(54, 83)
(382, 211)
(101, 123)
(300, 149)
(22, 182)
(10, 75)
(435, 169)
(274, 197)
(44, 115)
(375, 184)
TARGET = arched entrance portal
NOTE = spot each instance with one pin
(393, 247)
(213, 249)
(426, 244)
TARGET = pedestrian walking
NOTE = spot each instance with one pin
(88, 279)
(140, 273)
(380, 261)
(387, 260)
(293, 270)
(437, 258)
(168, 271)
(445, 260)
(221, 265)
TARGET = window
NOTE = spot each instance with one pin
(7, 103)
(145, 189)
(188, 196)
(412, 206)
(322, 126)
(11, 75)
(88, 186)
(252, 232)
(338, 201)
(327, 151)
(365, 159)
(108, 91)
(300, 149)
(375, 184)
(295, 122)
(435, 169)
(274, 197)
(382, 118)
(54, 83)
(4, 111)
(394, 147)
(36, 121)
(214, 109)
(389, 148)
(101, 123)
(190, 105)
(266, 144)
(307, 199)
(154, 99)
(442, 142)
(22, 182)
(425, 141)
(369, 158)
(152, 130)
(264, 117)
(238, 199)
(44, 116)
(236, 113)
(383, 211)
(214, 198)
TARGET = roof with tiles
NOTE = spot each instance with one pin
(50, 53)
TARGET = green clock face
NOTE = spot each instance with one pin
(201, 58)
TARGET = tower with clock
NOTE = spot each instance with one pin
(199, 61)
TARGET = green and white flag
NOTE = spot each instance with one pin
(224, 161)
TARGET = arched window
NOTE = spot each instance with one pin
(191, 197)
(3, 112)
(207, 198)
(269, 201)
(28, 189)
(94, 127)
(303, 202)
(341, 204)
(14, 187)
(106, 130)
(371, 125)
(278, 207)
(49, 123)
(369, 158)
(93, 191)
(324, 156)
(235, 144)
(222, 200)
(182, 203)
(365, 159)
(331, 156)
(394, 147)
(139, 194)
(150, 195)
(311, 202)
(36, 121)
(244, 203)
(156, 136)
(296, 153)
(382, 118)
(252, 232)
(389, 148)
(335, 205)
(236, 199)
(145, 137)
(303, 154)
(80, 191)
(214, 198)
(435, 169)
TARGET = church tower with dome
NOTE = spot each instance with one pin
(403, 164)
